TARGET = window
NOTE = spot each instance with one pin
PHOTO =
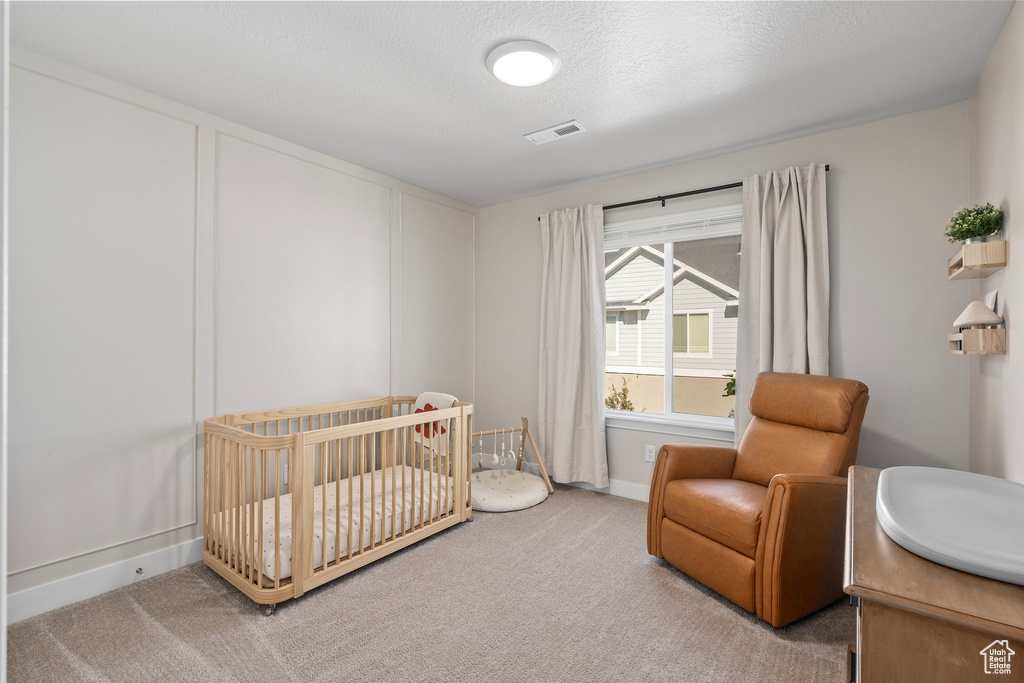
(671, 320)
(611, 334)
(691, 333)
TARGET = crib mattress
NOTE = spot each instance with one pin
(363, 507)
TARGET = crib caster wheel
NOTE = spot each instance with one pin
(270, 609)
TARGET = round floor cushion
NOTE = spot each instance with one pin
(507, 490)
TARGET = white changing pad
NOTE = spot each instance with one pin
(966, 521)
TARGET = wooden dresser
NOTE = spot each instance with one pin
(921, 621)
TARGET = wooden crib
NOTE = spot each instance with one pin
(287, 491)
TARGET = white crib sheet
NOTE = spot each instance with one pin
(411, 501)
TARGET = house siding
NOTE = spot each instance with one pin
(645, 272)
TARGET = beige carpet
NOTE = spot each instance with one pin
(564, 591)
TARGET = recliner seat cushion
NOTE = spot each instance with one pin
(725, 510)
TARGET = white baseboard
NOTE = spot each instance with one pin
(623, 489)
(48, 596)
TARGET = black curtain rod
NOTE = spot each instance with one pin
(662, 199)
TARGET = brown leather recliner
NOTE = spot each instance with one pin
(764, 525)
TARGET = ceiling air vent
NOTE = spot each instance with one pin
(554, 132)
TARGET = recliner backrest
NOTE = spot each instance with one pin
(801, 424)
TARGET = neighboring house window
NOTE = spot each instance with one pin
(691, 333)
(611, 334)
(672, 289)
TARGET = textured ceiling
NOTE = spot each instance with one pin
(401, 87)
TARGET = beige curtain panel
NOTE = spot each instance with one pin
(571, 392)
(784, 280)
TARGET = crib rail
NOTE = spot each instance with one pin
(295, 498)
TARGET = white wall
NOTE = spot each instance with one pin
(102, 318)
(302, 290)
(437, 277)
(997, 176)
(4, 187)
(892, 186)
(169, 266)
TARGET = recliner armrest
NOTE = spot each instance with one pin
(682, 461)
(799, 559)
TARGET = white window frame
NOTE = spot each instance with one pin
(710, 312)
(615, 353)
(722, 221)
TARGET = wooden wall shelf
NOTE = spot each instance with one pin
(977, 260)
(983, 342)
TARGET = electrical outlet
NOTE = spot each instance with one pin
(650, 453)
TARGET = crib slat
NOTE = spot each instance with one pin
(302, 489)
(206, 492)
(227, 503)
(262, 495)
(323, 503)
(222, 484)
(351, 506)
(365, 464)
(373, 491)
(216, 506)
(431, 464)
(442, 473)
(250, 513)
(441, 446)
(336, 448)
(232, 489)
(247, 520)
(219, 505)
(423, 493)
(211, 511)
(239, 519)
(448, 444)
(277, 517)
(239, 522)
(231, 503)
(446, 468)
(394, 448)
(362, 499)
(405, 507)
(382, 439)
(240, 511)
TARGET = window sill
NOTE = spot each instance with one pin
(694, 426)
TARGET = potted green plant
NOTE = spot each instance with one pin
(976, 224)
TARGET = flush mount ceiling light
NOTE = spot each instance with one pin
(523, 63)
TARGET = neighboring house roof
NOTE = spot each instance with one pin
(694, 273)
(716, 255)
(624, 256)
(616, 260)
(611, 257)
